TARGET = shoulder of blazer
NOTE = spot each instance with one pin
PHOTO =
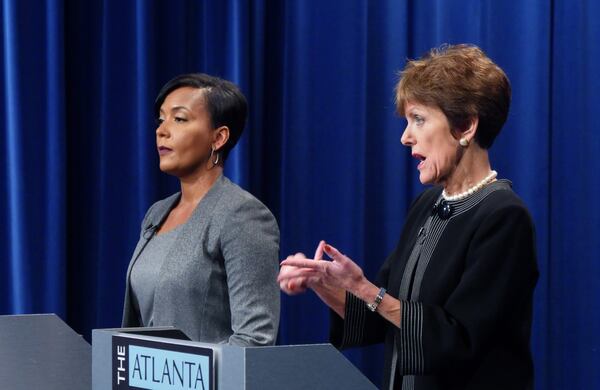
(234, 198)
(504, 200)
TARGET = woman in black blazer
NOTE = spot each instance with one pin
(453, 301)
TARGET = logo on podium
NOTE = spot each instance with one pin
(146, 364)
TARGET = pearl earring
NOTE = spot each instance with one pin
(464, 142)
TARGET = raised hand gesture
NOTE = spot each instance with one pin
(340, 272)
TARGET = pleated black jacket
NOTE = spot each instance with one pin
(466, 285)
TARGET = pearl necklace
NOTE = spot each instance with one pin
(487, 180)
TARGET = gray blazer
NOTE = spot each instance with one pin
(218, 283)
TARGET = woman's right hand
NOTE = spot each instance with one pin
(291, 285)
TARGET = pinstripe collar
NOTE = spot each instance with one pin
(463, 205)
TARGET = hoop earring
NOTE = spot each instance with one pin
(216, 161)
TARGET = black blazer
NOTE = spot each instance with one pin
(470, 326)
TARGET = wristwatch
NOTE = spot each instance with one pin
(378, 299)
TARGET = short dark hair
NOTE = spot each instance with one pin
(225, 103)
(463, 83)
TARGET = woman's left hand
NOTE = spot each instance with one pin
(340, 272)
(294, 280)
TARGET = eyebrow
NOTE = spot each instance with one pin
(176, 108)
(416, 110)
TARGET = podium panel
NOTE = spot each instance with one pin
(115, 355)
(40, 351)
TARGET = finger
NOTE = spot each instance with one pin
(298, 255)
(292, 289)
(297, 284)
(283, 285)
(318, 265)
(295, 272)
(333, 253)
(319, 251)
(292, 283)
(289, 257)
(283, 271)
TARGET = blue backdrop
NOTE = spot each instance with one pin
(322, 149)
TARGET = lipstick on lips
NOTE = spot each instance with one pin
(162, 150)
(419, 157)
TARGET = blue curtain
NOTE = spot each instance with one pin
(321, 149)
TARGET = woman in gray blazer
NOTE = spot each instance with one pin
(207, 258)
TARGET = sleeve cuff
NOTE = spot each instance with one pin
(409, 339)
(354, 321)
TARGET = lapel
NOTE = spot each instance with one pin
(157, 214)
(155, 219)
(187, 246)
(198, 221)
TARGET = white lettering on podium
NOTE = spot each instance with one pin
(121, 356)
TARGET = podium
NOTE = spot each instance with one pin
(160, 358)
(40, 351)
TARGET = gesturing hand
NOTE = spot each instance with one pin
(340, 272)
(294, 280)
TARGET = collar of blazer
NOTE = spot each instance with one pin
(159, 212)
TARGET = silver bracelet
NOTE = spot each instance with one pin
(378, 299)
